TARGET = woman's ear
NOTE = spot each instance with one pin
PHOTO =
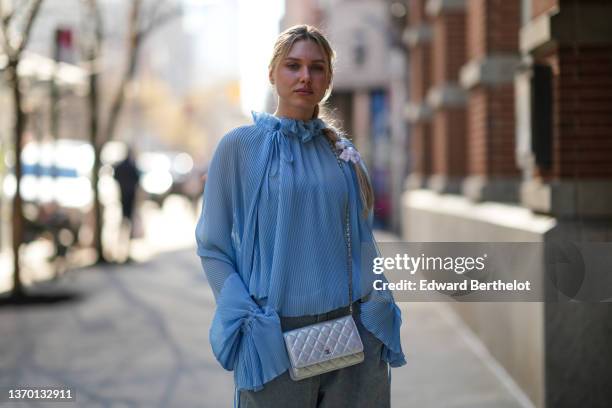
(271, 77)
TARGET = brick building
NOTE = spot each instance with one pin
(511, 118)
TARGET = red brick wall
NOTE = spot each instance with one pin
(421, 148)
(438, 56)
(502, 131)
(420, 72)
(416, 14)
(420, 82)
(449, 154)
(491, 132)
(448, 56)
(448, 47)
(492, 26)
(476, 19)
(582, 110)
(582, 146)
(503, 23)
(477, 119)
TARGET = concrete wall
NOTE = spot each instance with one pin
(512, 332)
(557, 352)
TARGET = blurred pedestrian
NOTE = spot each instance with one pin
(287, 207)
(128, 177)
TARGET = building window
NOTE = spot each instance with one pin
(541, 115)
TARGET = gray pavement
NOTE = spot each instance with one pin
(137, 336)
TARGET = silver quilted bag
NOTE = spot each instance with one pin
(323, 347)
(330, 345)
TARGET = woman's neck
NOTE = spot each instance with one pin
(297, 114)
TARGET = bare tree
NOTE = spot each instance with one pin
(15, 27)
(91, 49)
(143, 20)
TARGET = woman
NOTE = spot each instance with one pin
(272, 243)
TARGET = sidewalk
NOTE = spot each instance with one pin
(447, 365)
(138, 337)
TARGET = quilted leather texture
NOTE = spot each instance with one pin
(323, 347)
(326, 366)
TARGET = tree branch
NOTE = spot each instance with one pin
(4, 24)
(28, 28)
(99, 27)
(91, 51)
(6, 19)
(159, 21)
(153, 10)
(136, 35)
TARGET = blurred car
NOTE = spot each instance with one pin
(57, 172)
(168, 172)
(55, 189)
(163, 172)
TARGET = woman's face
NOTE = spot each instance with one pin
(301, 79)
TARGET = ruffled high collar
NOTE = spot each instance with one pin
(303, 130)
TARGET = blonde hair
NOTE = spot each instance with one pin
(283, 45)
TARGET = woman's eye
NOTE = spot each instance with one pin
(317, 68)
(293, 67)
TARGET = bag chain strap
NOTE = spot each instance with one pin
(347, 234)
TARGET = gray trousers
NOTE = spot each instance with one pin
(365, 385)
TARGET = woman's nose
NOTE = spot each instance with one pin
(305, 74)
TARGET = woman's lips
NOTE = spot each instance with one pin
(303, 92)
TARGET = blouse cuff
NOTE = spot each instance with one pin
(381, 317)
(246, 338)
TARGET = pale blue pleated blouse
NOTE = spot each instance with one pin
(271, 241)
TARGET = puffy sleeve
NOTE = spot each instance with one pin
(381, 317)
(245, 338)
(379, 313)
